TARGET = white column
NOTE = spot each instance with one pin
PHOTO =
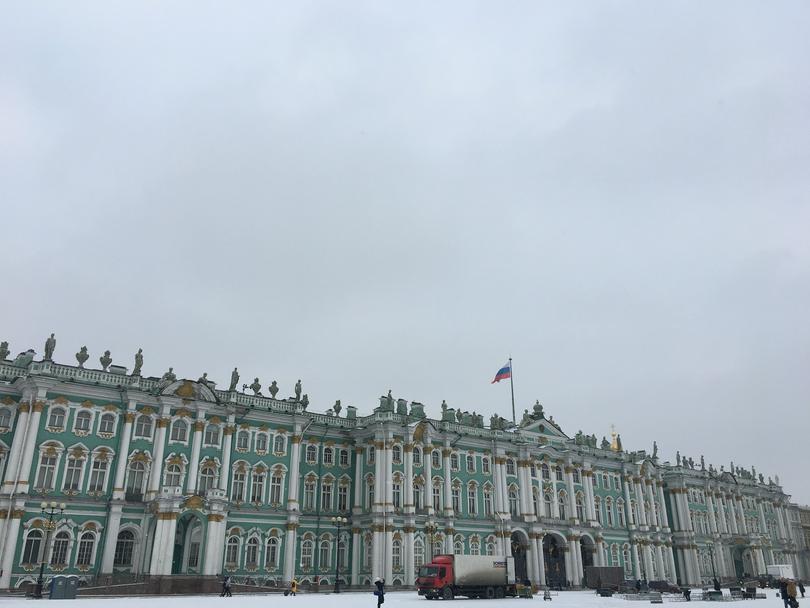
(555, 506)
(410, 576)
(27, 456)
(569, 478)
(721, 509)
(359, 484)
(741, 515)
(642, 511)
(111, 537)
(427, 457)
(502, 488)
(388, 538)
(225, 474)
(587, 484)
(712, 519)
(659, 562)
(541, 563)
(123, 454)
(730, 512)
(524, 489)
(15, 453)
(163, 548)
(215, 543)
(196, 442)
(448, 481)
(651, 516)
(157, 467)
(636, 562)
(356, 549)
(10, 546)
(671, 559)
(762, 523)
(409, 504)
(664, 517)
(627, 480)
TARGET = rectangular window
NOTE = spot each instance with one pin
(456, 496)
(45, 475)
(344, 458)
(326, 497)
(343, 498)
(98, 475)
(73, 474)
(470, 463)
(275, 489)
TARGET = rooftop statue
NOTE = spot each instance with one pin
(82, 356)
(234, 380)
(298, 390)
(256, 387)
(459, 415)
(305, 401)
(605, 443)
(273, 389)
(169, 376)
(105, 360)
(655, 450)
(24, 359)
(702, 463)
(50, 346)
(678, 457)
(527, 419)
(444, 407)
(337, 407)
(538, 409)
(136, 371)
(761, 478)
(3, 351)
(203, 379)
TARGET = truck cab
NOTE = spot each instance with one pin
(435, 576)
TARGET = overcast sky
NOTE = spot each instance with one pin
(374, 196)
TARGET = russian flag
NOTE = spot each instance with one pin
(504, 373)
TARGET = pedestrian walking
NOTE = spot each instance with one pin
(783, 592)
(293, 587)
(379, 591)
(801, 588)
(791, 594)
(226, 587)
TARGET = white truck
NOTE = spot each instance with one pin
(781, 571)
(475, 576)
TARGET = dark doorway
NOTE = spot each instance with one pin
(554, 559)
(519, 553)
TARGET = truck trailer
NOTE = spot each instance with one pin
(474, 576)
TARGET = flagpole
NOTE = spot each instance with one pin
(512, 386)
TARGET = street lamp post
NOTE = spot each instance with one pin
(430, 528)
(49, 509)
(338, 521)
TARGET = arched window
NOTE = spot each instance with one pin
(536, 502)
(328, 456)
(562, 499)
(82, 424)
(33, 545)
(312, 454)
(580, 506)
(475, 547)
(232, 552)
(211, 435)
(490, 548)
(98, 474)
(179, 430)
(275, 488)
(243, 441)
(56, 418)
(107, 424)
(124, 547)
(271, 552)
(454, 461)
(558, 474)
(633, 512)
(306, 554)
(576, 476)
(173, 473)
(547, 504)
(435, 459)
(597, 507)
(510, 466)
(620, 512)
(5, 417)
(396, 492)
(513, 501)
(261, 442)
(84, 555)
(417, 456)
(470, 459)
(485, 465)
(437, 495)
(46, 474)
(257, 480)
(396, 454)
(417, 495)
(252, 553)
(208, 479)
(544, 471)
(614, 555)
(367, 553)
(135, 479)
(326, 494)
(458, 547)
(628, 563)
(609, 511)
(488, 501)
(396, 555)
(343, 457)
(73, 473)
(325, 554)
(418, 553)
(238, 485)
(279, 445)
(59, 549)
(309, 495)
(472, 500)
(143, 426)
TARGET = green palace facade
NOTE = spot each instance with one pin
(167, 476)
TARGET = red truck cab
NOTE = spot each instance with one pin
(435, 576)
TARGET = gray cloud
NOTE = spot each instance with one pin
(373, 196)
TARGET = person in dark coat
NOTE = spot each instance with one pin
(801, 588)
(379, 591)
(716, 585)
(783, 592)
(226, 587)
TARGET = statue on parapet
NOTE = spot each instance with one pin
(459, 415)
(82, 356)
(256, 387)
(702, 463)
(169, 376)
(273, 389)
(619, 443)
(678, 457)
(3, 350)
(305, 401)
(538, 410)
(50, 346)
(136, 371)
(105, 360)
(495, 422)
(527, 418)
(234, 380)
(298, 390)
(605, 443)
(655, 450)
(337, 407)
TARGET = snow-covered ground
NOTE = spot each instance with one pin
(399, 599)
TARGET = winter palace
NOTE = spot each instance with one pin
(148, 477)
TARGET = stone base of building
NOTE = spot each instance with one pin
(176, 584)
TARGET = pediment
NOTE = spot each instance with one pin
(187, 389)
(544, 427)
